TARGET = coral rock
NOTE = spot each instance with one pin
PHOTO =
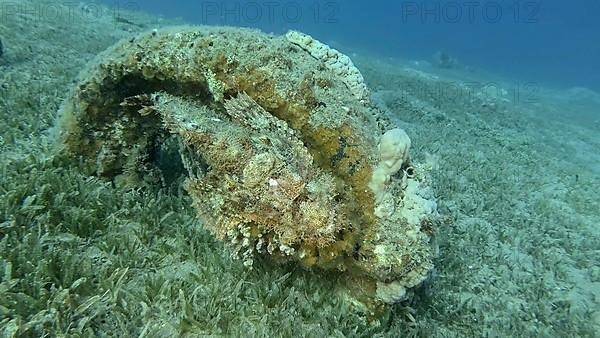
(280, 149)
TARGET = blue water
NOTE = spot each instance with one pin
(552, 43)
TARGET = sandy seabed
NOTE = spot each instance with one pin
(516, 174)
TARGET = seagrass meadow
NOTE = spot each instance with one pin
(517, 237)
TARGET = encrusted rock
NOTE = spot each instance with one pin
(337, 62)
(279, 148)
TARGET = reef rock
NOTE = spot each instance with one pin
(280, 145)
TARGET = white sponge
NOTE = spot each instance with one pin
(393, 152)
(393, 149)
